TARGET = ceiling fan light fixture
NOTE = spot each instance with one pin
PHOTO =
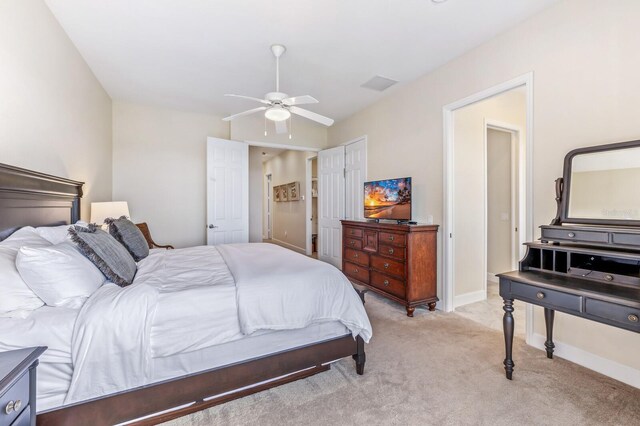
(277, 113)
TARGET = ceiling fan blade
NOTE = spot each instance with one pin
(300, 100)
(240, 114)
(311, 116)
(264, 101)
(281, 127)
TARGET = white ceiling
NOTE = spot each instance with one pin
(186, 54)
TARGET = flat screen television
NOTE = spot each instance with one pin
(388, 199)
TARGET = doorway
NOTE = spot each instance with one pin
(312, 206)
(268, 207)
(466, 192)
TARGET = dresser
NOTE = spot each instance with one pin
(18, 386)
(398, 261)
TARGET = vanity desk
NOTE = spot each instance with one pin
(587, 262)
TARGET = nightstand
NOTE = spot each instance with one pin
(18, 386)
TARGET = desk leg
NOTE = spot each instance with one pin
(548, 321)
(508, 326)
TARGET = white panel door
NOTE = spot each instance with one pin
(355, 175)
(331, 202)
(227, 192)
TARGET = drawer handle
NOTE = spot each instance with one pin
(540, 295)
(632, 318)
(391, 237)
(356, 270)
(608, 277)
(390, 251)
(386, 266)
(386, 283)
(353, 243)
(13, 406)
(355, 255)
(571, 234)
(351, 232)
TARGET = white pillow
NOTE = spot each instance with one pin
(14, 293)
(57, 234)
(58, 274)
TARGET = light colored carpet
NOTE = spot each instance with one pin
(440, 369)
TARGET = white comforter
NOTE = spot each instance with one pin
(187, 299)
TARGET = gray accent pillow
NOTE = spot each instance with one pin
(109, 256)
(130, 236)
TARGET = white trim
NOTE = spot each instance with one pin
(355, 140)
(467, 298)
(308, 200)
(526, 174)
(282, 146)
(289, 246)
(491, 277)
(605, 366)
(268, 211)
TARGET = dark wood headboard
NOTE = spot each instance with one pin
(36, 199)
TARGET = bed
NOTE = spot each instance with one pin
(204, 325)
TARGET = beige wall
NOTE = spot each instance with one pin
(289, 217)
(498, 201)
(304, 132)
(256, 190)
(159, 167)
(584, 58)
(55, 117)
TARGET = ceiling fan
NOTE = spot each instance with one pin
(279, 106)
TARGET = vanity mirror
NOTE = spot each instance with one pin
(601, 185)
(598, 197)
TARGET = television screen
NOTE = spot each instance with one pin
(388, 199)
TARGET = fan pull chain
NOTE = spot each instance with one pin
(265, 125)
(290, 128)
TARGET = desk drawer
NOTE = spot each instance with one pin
(353, 243)
(357, 272)
(24, 419)
(575, 235)
(356, 256)
(387, 284)
(629, 317)
(391, 251)
(545, 297)
(352, 232)
(387, 266)
(18, 392)
(393, 238)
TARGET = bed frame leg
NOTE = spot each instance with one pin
(360, 357)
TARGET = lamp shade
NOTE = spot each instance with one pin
(114, 209)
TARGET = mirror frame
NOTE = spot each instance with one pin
(565, 186)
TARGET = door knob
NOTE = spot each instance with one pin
(212, 226)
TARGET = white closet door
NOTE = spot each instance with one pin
(355, 175)
(331, 204)
(227, 192)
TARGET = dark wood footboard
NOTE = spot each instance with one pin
(196, 392)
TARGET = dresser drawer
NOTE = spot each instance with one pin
(24, 419)
(18, 392)
(621, 314)
(388, 284)
(393, 239)
(546, 297)
(356, 256)
(574, 235)
(357, 272)
(352, 232)
(387, 266)
(353, 243)
(392, 251)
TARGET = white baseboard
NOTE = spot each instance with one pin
(615, 370)
(290, 246)
(491, 277)
(465, 299)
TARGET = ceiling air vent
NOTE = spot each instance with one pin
(379, 83)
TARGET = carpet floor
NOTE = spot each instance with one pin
(436, 368)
